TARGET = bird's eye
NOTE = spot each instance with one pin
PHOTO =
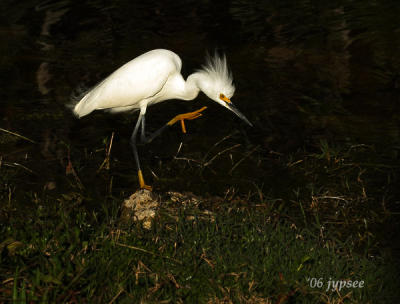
(224, 98)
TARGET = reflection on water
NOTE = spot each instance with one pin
(303, 72)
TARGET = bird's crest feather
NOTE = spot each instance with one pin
(216, 69)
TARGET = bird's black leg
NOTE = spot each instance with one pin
(144, 140)
(181, 118)
(133, 141)
(135, 152)
(142, 133)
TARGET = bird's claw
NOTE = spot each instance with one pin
(189, 116)
(146, 187)
(142, 184)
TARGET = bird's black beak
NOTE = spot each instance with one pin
(235, 110)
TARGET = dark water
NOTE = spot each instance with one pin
(304, 72)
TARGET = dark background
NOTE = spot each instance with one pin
(307, 73)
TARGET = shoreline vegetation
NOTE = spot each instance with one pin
(71, 247)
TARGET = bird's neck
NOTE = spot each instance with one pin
(192, 86)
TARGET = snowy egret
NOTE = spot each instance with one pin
(154, 77)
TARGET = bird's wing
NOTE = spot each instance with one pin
(134, 82)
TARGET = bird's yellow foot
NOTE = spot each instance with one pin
(189, 116)
(142, 183)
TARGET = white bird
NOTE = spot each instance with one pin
(155, 77)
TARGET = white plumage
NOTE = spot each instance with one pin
(154, 77)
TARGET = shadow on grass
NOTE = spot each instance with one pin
(61, 252)
(336, 223)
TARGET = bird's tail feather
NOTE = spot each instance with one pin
(75, 98)
(81, 109)
(78, 104)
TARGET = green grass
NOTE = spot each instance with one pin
(335, 223)
(60, 252)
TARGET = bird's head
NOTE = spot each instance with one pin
(217, 83)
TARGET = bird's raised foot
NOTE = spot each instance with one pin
(142, 184)
(189, 116)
